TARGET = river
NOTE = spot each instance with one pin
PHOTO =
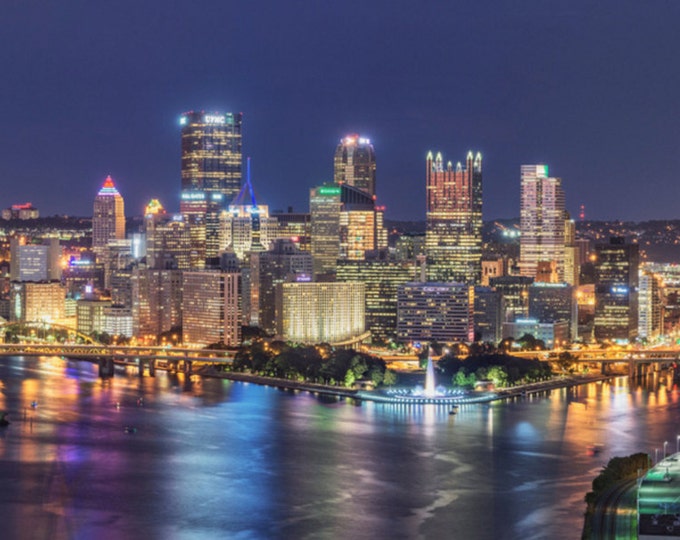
(210, 458)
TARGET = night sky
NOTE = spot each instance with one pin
(90, 88)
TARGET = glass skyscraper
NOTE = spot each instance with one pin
(211, 153)
(354, 164)
(453, 238)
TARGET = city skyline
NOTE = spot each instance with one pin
(95, 91)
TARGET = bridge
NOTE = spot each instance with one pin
(639, 362)
(145, 358)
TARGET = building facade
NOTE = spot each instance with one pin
(108, 218)
(542, 221)
(354, 164)
(434, 311)
(212, 153)
(453, 236)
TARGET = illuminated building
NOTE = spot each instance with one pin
(382, 276)
(493, 268)
(168, 239)
(35, 262)
(156, 301)
(90, 315)
(354, 164)
(321, 312)
(552, 334)
(515, 293)
(295, 226)
(108, 218)
(410, 245)
(211, 308)
(246, 228)
(453, 238)
(211, 153)
(572, 254)
(489, 311)
(37, 302)
(616, 290)
(268, 269)
(650, 319)
(115, 256)
(345, 223)
(435, 312)
(118, 321)
(542, 221)
(201, 212)
(554, 302)
(20, 211)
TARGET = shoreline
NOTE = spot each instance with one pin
(363, 395)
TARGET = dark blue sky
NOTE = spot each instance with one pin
(90, 88)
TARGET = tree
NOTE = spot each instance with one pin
(390, 378)
(498, 376)
(350, 378)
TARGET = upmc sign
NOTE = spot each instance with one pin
(213, 119)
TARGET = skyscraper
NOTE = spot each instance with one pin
(453, 238)
(354, 164)
(542, 221)
(211, 153)
(108, 218)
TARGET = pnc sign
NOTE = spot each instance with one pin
(214, 119)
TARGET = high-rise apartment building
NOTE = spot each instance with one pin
(616, 290)
(156, 301)
(354, 164)
(108, 218)
(453, 236)
(542, 221)
(211, 153)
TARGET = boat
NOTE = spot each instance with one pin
(130, 429)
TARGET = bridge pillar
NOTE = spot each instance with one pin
(140, 367)
(187, 367)
(631, 370)
(603, 368)
(106, 367)
(152, 367)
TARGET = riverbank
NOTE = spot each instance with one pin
(472, 397)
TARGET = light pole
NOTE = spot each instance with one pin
(677, 444)
(665, 444)
(656, 456)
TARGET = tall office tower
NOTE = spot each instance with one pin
(168, 239)
(268, 269)
(554, 302)
(382, 276)
(616, 290)
(354, 164)
(488, 315)
(572, 260)
(194, 208)
(453, 238)
(35, 262)
(211, 153)
(345, 223)
(435, 312)
(542, 221)
(211, 308)
(321, 312)
(515, 293)
(156, 302)
(108, 218)
(650, 320)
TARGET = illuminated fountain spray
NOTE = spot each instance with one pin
(429, 390)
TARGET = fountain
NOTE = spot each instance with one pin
(430, 390)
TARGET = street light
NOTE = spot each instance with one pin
(665, 444)
(677, 444)
(656, 456)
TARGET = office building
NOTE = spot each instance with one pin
(553, 335)
(616, 290)
(382, 275)
(650, 298)
(211, 153)
(168, 239)
(454, 219)
(434, 311)
(542, 221)
(515, 293)
(37, 302)
(489, 311)
(108, 218)
(325, 312)
(247, 228)
(20, 211)
(295, 226)
(554, 302)
(156, 302)
(90, 315)
(354, 164)
(35, 262)
(268, 269)
(211, 309)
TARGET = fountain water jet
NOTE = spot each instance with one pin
(429, 390)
